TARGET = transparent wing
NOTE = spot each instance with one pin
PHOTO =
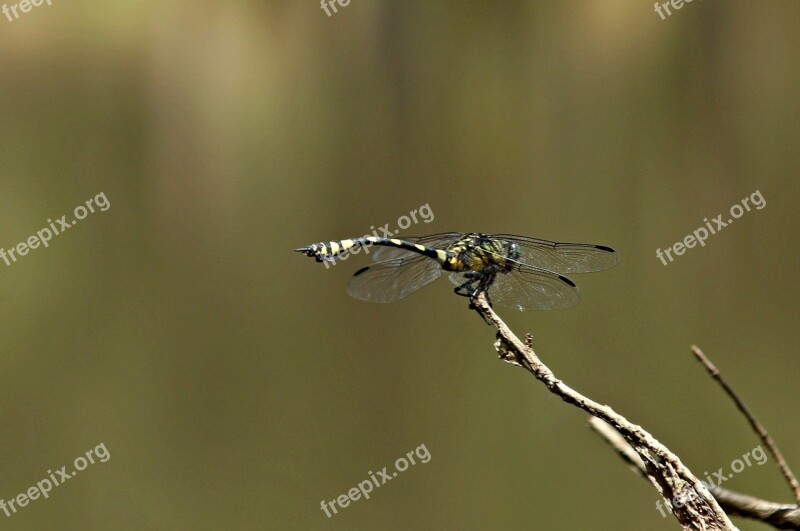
(439, 241)
(394, 279)
(529, 288)
(563, 257)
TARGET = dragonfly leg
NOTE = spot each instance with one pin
(484, 282)
(479, 283)
(466, 289)
(476, 284)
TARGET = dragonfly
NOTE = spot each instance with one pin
(517, 272)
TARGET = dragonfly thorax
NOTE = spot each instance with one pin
(480, 253)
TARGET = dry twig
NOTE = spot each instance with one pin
(664, 469)
(756, 425)
(778, 515)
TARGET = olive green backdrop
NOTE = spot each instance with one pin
(236, 385)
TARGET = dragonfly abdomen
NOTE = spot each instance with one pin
(330, 250)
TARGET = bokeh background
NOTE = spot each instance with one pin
(236, 385)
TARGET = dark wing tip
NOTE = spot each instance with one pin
(611, 253)
(565, 280)
(362, 270)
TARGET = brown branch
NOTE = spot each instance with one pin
(664, 469)
(778, 515)
(754, 423)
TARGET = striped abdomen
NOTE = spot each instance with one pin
(329, 251)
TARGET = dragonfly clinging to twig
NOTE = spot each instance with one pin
(514, 271)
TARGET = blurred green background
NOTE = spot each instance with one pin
(236, 385)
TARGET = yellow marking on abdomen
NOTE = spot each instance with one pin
(347, 244)
(441, 255)
(419, 247)
(334, 248)
(396, 241)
